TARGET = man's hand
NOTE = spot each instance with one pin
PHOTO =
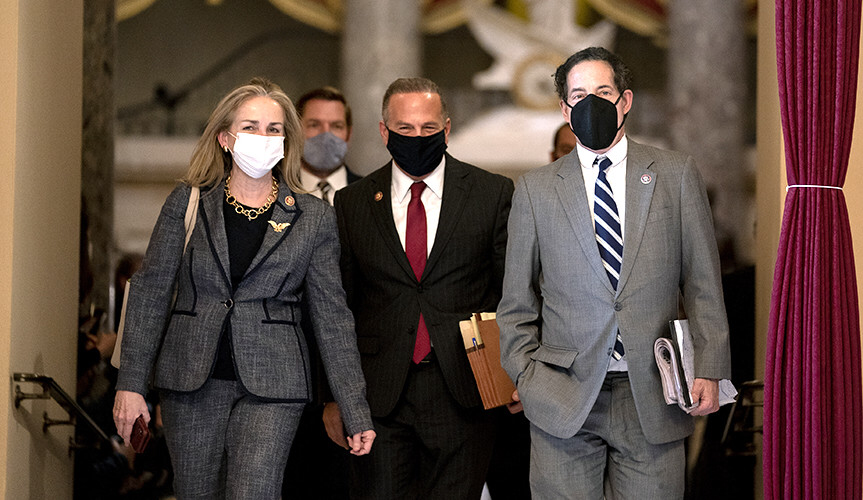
(334, 426)
(516, 405)
(361, 443)
(705, 392)
(127, 406)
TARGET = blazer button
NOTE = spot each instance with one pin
(419, 288)
(228, 304)
(618, 306)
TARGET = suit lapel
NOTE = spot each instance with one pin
(286, 213)
(456, 187)
(214, 221)
(380, 204)
(640, 183)
(573, 198)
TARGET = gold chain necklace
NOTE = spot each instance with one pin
(251, 213)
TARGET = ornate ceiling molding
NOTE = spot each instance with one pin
(438, 16)
(131, 8)
(325, 15)
(649, 17)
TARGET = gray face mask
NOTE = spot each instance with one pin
(325, 151)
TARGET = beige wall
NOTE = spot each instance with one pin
(770, 190)
(40, 152)
(771, 182)
(8, 61)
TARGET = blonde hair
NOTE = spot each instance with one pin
(210, 164)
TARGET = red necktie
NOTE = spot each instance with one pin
(415, 248)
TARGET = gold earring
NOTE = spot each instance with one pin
(225, 148)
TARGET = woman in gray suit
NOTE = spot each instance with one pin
(215, 324)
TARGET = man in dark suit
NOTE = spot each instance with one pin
(605, 242)
(318, 466)
(326, 118)
(423, 241)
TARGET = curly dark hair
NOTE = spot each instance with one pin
(622, 74)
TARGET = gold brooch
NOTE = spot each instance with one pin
(279, 227)
(379, 196)
(289, 201)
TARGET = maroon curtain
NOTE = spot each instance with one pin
(812, 386)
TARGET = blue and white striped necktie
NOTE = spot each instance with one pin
(609, 237)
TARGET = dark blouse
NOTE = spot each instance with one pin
(244, 240)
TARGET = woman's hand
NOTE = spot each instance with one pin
(333, 424)
(127, 406)
(361, 443)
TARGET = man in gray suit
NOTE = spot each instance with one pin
(603, 243)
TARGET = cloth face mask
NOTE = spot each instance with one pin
(418, 155)
(257, 154)
(325, 151)
(594, 121)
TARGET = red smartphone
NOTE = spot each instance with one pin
(140, 435)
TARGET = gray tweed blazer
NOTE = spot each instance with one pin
(177, 346)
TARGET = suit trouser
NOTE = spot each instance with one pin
(225, 443)
(507, 477)
(317, 467)
(429, 447)
(609, 453)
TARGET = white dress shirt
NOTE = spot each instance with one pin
(337, 180)
(431, 198)
(616, 175)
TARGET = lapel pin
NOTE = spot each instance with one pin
(289, 201)
(379, 196)
(646, 178)
(279, 226)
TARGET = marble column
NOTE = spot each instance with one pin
(707, 91)
(97, 148)
(380, 42)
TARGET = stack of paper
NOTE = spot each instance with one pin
(675, 358)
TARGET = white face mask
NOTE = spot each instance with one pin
(257, 154)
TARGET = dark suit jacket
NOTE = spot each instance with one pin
(269, 349)
(321, 392)
(463, 275)
(352, 177)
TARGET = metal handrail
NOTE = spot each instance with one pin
(52, 390)
(167, 99)
(741, 423)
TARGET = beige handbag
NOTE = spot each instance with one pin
(189, 222)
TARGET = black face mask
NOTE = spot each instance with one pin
(418, 155)
(594, 121)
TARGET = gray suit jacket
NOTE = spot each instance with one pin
(178, 347)
(559, 314)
